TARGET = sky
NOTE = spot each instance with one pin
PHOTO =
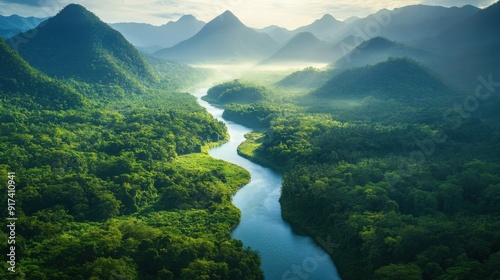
(253, 13)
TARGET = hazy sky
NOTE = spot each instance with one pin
(254, 13)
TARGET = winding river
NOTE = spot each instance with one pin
(285, 255)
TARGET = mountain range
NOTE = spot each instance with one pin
(306, 48)
(151, 38)
(15, 24)
(225, 39)
(76, 44)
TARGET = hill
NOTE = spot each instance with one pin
(225, 38)
(379, 49)
(14, 24)
(401, 79)
(20, 82)
(279, 34)
(236, 91)
(303, 47)
(76, 44)
(309, 77)
(324, 28)
(153, 38)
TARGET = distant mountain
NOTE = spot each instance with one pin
(401, 79)
(304, 47)
(225, 38)
(14, 24)
(19, 82)
(279, 34)
(377, 50)
(481, 29)
(76, 44)
(153, 38)
(406, 24)
(470, 48)
(325, 28)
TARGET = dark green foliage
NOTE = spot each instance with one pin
(237, 92)
(22, 84)
(309, 77)
(395, 190)
(255, 115)
(401, 79)
(111, 185)
(77, 44)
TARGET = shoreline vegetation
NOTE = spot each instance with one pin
(348, 182)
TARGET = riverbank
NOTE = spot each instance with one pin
(348, 264)
(262, 227)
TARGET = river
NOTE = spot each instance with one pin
(285, 255)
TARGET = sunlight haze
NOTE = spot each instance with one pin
(258, 13)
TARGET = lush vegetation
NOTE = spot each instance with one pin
(113, 185)
(77, 44)
(309, 77)
(403, 184)
(386, 80)
(237, 91)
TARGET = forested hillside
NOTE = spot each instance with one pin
(114, 185)
(394, 179)
(77, 44)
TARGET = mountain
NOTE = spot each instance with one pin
(14, 24)
(225, 38)
(147, 36)
(303, 47)
(324, 28)
(470, 48)
(479, 30)
(401, 79)
(77, 44)
(409, 23)
(377, 50)
(279, 34)
(22, 83)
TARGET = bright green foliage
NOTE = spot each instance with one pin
(256, 115)
(113, 185)
(238, 92)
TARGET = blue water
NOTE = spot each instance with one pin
(285, 255)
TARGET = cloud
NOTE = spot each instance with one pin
(255, 13)
(36, 3)
(460, 3)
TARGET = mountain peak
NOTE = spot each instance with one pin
(186, 18)
(75, 10)
(377, 43)
(308, 36)
(75, 43)
(227, 16)
(328, 17)
(224, 20)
